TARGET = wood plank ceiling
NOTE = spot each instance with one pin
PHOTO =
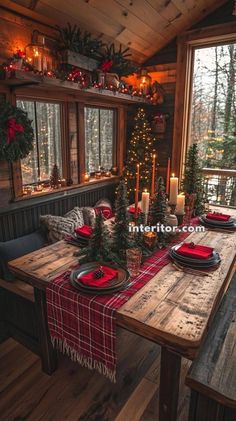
(143, 25)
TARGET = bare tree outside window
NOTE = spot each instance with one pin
(37, 166)
(213, 119)
(99, 138)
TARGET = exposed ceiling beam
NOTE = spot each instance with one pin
(33, 4)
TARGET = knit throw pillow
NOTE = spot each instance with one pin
(59, 227)
(89, 215)
(77, 215)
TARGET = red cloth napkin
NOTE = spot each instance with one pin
(218, 216)
(195, 251)
(89, 278)
(132, 210)
(85, 231)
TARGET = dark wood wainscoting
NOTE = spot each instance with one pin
(22, 217)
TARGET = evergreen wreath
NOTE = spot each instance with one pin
(16, 133)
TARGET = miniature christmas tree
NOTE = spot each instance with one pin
(99, 245)
(55, 177)
(158, 209)
(193, 179)
(140, 151)
(121, 235)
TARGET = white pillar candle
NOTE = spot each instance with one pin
(180, 204)
(174, 182)
(145, 201)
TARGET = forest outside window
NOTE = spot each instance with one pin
(213, 119)
(47, 151)
(213, 116)
(99, 138)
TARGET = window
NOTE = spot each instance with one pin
(46, 121)
(213, 107)
(99, 138)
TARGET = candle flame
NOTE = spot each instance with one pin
(173, 174)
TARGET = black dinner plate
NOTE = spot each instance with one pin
(195, 265)
(116, 284)
(202, 268)
(213, 259)
(230, 223)
(190, 262)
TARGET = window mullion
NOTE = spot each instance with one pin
(36, 138)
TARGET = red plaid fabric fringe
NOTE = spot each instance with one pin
(84, 327)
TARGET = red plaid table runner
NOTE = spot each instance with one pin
(83, 326)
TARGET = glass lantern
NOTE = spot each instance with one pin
(144, 80)
(39, 56)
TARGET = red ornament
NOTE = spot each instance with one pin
(20, 54)
(106, 65)
(12, 128)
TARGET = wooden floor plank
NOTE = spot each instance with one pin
(13, 364)
(7, 347)
(74, 393)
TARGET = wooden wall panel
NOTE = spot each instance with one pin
(5, 183)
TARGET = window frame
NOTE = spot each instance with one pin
(187, 43)
(65, 99)
(62, 124)
(114, 143)
(119, 129)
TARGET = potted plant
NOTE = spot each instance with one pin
(78, 48)
(114, 64)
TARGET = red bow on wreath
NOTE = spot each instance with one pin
(12, 128)
(106, 65)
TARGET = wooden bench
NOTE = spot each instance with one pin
(212, 376)
(23, 317)
(20, 288)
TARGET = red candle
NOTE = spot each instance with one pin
(168, 177)
(137, 192)
(153, 175)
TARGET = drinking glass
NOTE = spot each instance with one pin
(133, 259)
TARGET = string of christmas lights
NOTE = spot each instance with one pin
(71, 74)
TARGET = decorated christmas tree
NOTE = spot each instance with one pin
(99, 245)
(193, 180)
(55, 177)
(121, 235)
(158, 209)
(140, 151)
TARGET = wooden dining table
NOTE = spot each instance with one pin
(174, 309)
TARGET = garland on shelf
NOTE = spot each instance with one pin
(66, 72)
(16, 133)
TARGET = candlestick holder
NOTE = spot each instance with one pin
(180, 218)
(172, 208)
(150, 239)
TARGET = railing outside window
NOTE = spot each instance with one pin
(220, 186)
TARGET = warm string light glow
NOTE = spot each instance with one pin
(36, 65)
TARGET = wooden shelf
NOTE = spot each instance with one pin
(21, 78)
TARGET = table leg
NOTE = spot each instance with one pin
(169, 385)
(48, 354)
